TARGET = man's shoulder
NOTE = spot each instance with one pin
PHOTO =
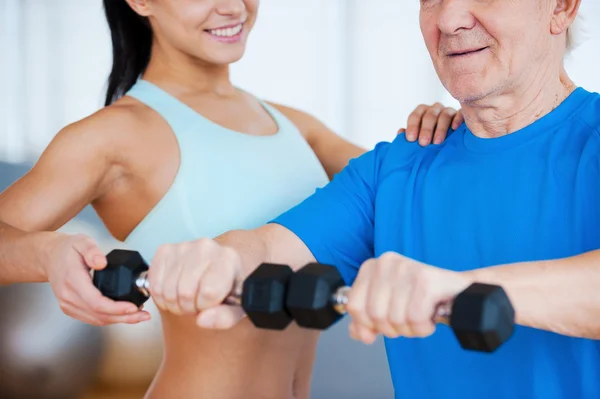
(399, 154)
(589, 113)
(401, 150)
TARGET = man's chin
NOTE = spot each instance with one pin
(467, 92)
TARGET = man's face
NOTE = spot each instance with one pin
(483, 47)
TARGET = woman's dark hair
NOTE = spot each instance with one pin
(131, 45)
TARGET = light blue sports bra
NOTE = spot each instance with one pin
(226, 180)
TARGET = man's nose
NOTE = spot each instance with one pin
(455, 15)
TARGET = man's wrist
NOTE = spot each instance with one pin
(249, 245)
(483, 276)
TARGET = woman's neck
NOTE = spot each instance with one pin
(513, 110)
(182, 74)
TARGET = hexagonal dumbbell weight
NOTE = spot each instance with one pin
(262, 297)
(481, 317)
(120, 279)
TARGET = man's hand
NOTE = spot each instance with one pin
(430, 123)
(67, 262)
(195, 277)
(396, 296)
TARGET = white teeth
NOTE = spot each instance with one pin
(229, 32)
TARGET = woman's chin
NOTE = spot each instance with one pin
(223, 58)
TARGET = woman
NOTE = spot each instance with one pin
(179, 153)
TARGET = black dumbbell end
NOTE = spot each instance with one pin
(263, 296)
(117, 280)
(483, 318)
(310, 294)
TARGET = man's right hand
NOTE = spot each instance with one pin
(67, 262)
(195, 277)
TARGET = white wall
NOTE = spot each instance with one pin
(296, 55)
(584, 63)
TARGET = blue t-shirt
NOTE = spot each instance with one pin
(470, 203)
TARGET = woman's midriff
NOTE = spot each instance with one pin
(240, 363)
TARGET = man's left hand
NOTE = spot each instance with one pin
(397, 296)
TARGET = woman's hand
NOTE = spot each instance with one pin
(430, 123)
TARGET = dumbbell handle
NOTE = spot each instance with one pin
(441, 315)
(143, 285)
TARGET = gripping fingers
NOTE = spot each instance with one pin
(99, 311)
(215, 286)
(358, 296)
(221, 317)
(80, 284)
(362, 333)
(81, 315)
(398, 311)
(379, 299)
(93, 257)
(218, 280)
(102, 319)
(419, 313)
(102, 311)
(156, 274)
(135, 318)
(188, 287)
(173, 266)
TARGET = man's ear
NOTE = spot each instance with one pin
(141, 7)
(563, 16)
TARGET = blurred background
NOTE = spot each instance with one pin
(360, 66)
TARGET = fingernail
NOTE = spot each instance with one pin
(206, 320)
(132, 310)
(99, 260)
(146, 316)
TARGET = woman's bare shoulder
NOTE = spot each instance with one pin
(109, 130)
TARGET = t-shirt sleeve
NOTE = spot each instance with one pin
(336, 222)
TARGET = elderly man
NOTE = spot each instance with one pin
(521, 188)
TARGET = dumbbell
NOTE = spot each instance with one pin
(481, 317)
(262, 297)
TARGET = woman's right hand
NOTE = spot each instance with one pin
(194, 278)
(67, 261)
(430, 123)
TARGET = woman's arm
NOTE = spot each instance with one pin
(79, 165)
(333, 151)
(69, 174)
(18, 264)
(425, 123)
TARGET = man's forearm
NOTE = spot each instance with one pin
(19, 256)
(271, 243)
(559, 295)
